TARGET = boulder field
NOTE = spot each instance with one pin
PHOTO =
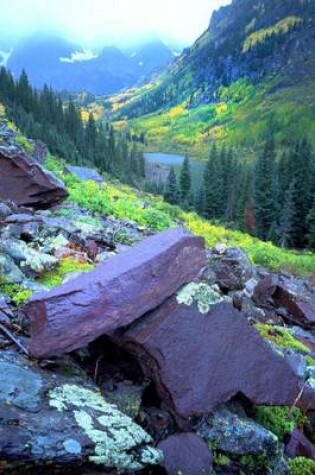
(161, 358)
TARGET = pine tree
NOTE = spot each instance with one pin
(287, 218)
(185, 180)
(213, 186)
(311, 228)
(265, 212)
(171, 192)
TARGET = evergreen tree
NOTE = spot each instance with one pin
(311, 228)
(185, 180)
(213, 186)
(287, 218)
(265, 212)
(171, 192)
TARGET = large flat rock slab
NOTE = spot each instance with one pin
(115, 294)
(199, 361)
(25, 182)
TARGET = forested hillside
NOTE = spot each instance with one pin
(42, 115)
(242, 98)
(256, 60)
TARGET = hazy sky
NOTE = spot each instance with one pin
(89, 21)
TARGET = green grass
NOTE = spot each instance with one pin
(124, 202)
(281, 337)
(16, 292)
(65, 266)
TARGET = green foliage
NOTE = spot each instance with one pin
(237, 91)
(65, 266)
(21, 140)
(124, 202)
(221, 460)
(302, 466)
(281, 337)
(121, 203)
(280, 420)
(255, 463)
(16, 292)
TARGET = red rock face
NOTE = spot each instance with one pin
(115, 294)
(272, 292)
(300, 446)
(26, 183)
(186, 454)
(200, 361)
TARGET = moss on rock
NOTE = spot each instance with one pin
(281, 337)
(281, 420)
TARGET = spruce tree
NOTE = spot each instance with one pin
(185, 180)
(286, 222)
(265, 211)
(171, 192)
(213, 186)
(311, 228)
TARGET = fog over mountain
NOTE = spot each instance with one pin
(96, 22)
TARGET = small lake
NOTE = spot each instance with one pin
(175, 160)
(168, 159)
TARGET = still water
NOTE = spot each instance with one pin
(171, 159)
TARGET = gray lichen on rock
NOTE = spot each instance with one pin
(119, 442)
(201, 294)
(20, 386)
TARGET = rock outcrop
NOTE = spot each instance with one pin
(115, 294)
(44, 419)
(25, 182)
(85, 174)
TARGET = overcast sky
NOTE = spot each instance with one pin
(90, 21)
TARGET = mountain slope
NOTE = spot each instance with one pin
(66, 66)
(254, 55)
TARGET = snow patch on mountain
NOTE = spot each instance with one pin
(79, 56)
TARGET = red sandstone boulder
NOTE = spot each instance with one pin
(186, 454)
(26, 183)
(300, 446)
(115, 294)
(199, 361)
(299, 304)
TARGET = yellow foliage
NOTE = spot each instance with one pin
(2, 111)
(176, 111)
(259, 36)
(221, 108)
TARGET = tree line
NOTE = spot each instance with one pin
(273, 198)
(43, 115)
